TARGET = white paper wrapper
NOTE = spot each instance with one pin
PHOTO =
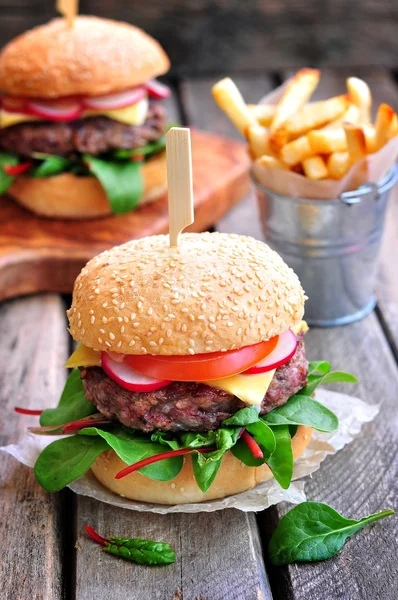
(352, 413)
(372, 168)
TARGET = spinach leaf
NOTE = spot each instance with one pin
(161, 437)
(121, 180)
(281, 461)
(51, 165)
(132, 447)
(146, 150)
(65, 460)
(243, 417)
(303, 410)
(73, 404)
(318, 366)
(242, 453)
(197, 440)
(264, 436)
(314, 531)
(6, 180)
(204, 472)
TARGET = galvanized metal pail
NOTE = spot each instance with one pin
(332, 245)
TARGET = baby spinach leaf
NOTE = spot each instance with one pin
(329, 377)
(161, 437)
(318, 366)
(73, 404)
(303, 410)
(121, 180)
(281, 460)
(147, 150)
(197, 440)
(314, 531)
(142, 552)
(65, 460)
(243, 417)
(204, 472)
(51, 165)
(242, 453)
(132, 447)
(6, 180)
(264, 436)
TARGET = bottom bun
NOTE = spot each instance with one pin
(67, 196)
(232, 478)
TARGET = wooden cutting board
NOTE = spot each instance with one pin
(45, 255)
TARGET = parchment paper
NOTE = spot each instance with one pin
(352, 413)
(372, 168)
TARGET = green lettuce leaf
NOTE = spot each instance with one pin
(121, 180)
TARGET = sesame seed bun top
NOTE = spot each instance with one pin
(214, 292)
(94, 57)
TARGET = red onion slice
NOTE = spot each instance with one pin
(157, 90)
(55, 110)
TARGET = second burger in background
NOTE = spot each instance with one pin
(82, 119)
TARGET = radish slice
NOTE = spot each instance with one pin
(114, 101)
(128, 378)
(13, 105)
(55, 110)
(281, 354)
(157, 90)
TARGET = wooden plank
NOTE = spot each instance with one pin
(359, 480)
(217, 556)
(226, 36)
(33, 349)
(202, 112)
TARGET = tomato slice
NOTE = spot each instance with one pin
(201, 367)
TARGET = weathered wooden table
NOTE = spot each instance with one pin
(45, 553)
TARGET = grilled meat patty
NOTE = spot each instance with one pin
(186, 406)
(93, 135)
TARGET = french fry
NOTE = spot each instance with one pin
(385, 125)
(356, 142)
(271, 162)
(338, 164)
(296, 151)
(296, 94)
(370, 138)
(315, 168)
(361, 97)
(326, 141)
(263, 113)
(351, 115)
(230, 100)
(258, 137)
(309, 117)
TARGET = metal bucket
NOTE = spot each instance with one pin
(332, 245)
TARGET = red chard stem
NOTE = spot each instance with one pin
(252, 445)
(95, 536)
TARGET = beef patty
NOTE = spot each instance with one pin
(186, 406)
(94, 135)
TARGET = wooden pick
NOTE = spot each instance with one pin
(69, 9)
(179, 181)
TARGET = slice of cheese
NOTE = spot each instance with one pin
(251, 389)
(300, 327)
(130, 115)
(83, 357)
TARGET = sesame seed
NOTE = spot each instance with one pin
(122, 329)
(229, 323)
(111, 335)
(139, 304)
(102, 331)
(213, 327)
(104, 320)
(136, 324)
(97, 290)
(191, 351)
(132, 316)
(169, 333)
(122, 305)
(150, 310)
(120, 320)
(91, 297)
(91, 312)
(108, 344)
(100, 341)
(161, 340)
(131, 343)
(79, 324)
(92, 320)
(118, 344)
(152, 343)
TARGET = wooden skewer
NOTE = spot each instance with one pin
(179, 181)
(69, 9)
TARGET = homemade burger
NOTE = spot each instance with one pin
(82, 120)
(190, 381)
